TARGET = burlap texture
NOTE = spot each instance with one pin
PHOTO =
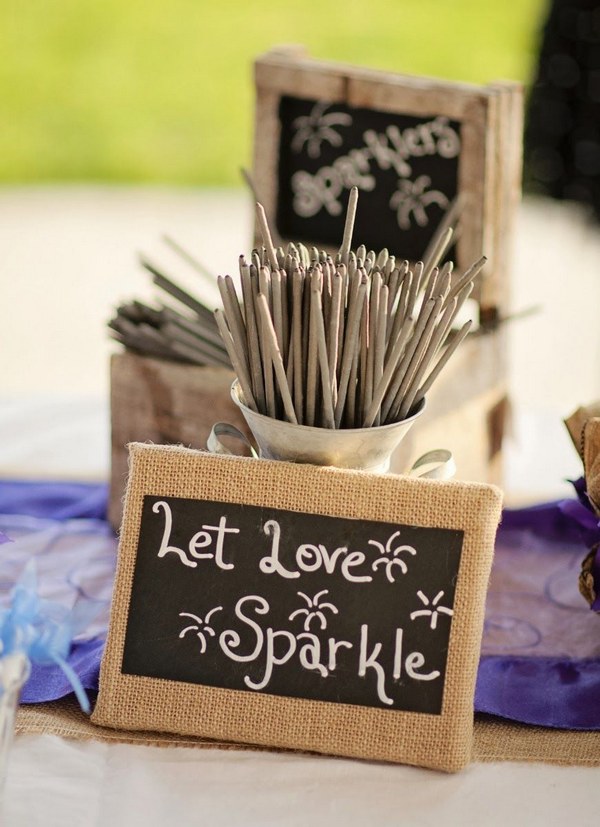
(65, 719)
(440, 741)
(576, 423)
(591, 460)
(584, 427)
(499, 740)
(494, 739)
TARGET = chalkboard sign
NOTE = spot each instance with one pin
(405, 167)
(410, 144)
(272, 603)
(265, 600)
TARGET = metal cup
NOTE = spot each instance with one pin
(363, 449)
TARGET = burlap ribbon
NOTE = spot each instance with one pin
(591, 460)
(584, 428)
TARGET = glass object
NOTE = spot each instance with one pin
(14, 671)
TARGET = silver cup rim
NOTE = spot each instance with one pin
(236, 395)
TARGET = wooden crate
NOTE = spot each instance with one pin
(166, 403)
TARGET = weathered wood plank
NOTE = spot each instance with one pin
(166, 403)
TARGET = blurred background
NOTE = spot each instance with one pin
(122, 121)
(160, 91)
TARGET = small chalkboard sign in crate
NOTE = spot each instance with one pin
(411, 145)
(297, 606)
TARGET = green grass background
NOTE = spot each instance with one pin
(161, 90)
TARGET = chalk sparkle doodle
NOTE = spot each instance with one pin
(201, 626)
(413, 197)
(432, 612)
(315, 128)
(315, 610)
(390, 558)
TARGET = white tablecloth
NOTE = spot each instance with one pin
(89, 784)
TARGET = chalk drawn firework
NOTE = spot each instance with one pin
(201, 627)
(316, 128)
(413, 197)
(432, 612)
(390, 556)
(315, 609)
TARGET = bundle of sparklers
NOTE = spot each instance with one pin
(180, 329)
(347, 343)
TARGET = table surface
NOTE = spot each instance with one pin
(91, 784)
(53, 426)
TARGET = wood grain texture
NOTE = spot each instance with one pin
(165, 403)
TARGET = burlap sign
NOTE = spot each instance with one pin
(295, 606)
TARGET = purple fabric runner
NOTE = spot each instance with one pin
(540, 659)
(61, 521)
(552, 692)
(48, 683)
(54, 500)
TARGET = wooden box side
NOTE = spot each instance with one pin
(166, 403)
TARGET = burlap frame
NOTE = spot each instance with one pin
(438, 741)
